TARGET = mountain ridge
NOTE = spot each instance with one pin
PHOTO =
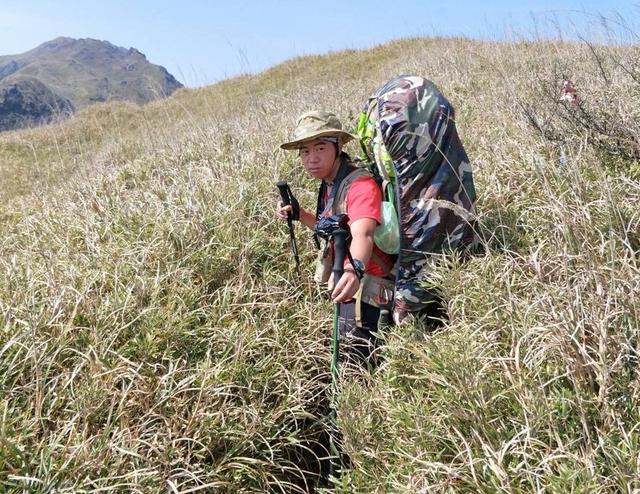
(78, 72)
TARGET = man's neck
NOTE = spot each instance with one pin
(334, 173)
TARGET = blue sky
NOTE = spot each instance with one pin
(202, 42)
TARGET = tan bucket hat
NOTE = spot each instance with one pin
(314, 124)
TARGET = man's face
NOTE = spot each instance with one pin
(319, 159)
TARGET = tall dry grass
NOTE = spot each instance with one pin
(156, 338)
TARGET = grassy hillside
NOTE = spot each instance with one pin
(154, 335)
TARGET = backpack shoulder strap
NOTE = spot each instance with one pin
(340, 200)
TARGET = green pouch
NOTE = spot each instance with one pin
(387, 235)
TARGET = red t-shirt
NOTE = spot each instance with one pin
(363, 200)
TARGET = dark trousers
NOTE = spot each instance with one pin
(358, 343)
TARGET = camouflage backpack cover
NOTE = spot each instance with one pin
(408, 129)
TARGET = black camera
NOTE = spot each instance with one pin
(327, 225)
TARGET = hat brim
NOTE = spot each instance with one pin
(340, 134)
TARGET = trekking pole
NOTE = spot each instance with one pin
(288, 200)
(339, 245)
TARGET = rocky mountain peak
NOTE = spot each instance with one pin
(74, 73)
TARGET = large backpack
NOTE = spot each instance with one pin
(408, 129)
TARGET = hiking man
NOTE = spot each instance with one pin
(364, 288)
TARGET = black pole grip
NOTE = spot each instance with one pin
(340, 251)
(283, 187)
(288, 199)
(285, 194)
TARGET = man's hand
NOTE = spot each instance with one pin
(283, 211)
(346, 288)
(307, 218)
